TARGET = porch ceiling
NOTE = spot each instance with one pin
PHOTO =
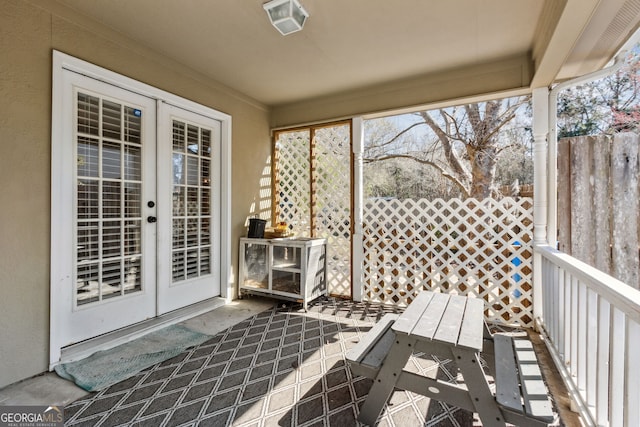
(365, 45)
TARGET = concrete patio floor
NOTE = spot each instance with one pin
(268, 364)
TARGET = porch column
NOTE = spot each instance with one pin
(357, 258)
(540, 101)
(540, 130)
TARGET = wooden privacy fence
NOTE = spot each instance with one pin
(479, 248)
(598, 211)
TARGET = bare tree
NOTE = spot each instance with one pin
(464, 144)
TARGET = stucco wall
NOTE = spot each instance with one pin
(29, 31)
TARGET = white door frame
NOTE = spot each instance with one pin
(59, 276)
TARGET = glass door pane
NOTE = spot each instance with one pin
(108, 199)
(191, 220)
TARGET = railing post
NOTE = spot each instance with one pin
(540, 101)
(357, 258)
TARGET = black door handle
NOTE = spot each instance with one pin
(151, 219)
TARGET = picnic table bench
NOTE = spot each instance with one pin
(452, 326)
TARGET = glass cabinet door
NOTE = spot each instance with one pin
(285, 281)
(256, 266)
(286, 257)
(285, 275)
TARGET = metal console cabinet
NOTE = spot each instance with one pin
(291, 269)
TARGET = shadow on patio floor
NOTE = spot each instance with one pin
(282, 367)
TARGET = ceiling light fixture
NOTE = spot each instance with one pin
(288, 16)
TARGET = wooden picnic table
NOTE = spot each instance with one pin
(450, 327)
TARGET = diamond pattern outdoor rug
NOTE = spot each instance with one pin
(282, 367)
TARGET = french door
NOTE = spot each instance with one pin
(136, 215)
(189, 221)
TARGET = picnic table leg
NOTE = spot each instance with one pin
(488, 350)
(468, 362)
(384, 383)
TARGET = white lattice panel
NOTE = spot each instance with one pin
(313, 189)
(332, 203)
(479, 248)
(292, 183)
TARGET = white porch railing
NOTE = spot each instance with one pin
(592, 322)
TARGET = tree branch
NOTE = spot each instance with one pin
(461, 185)
(452, 157)
(395, 138)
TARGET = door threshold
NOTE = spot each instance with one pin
(109, 340)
